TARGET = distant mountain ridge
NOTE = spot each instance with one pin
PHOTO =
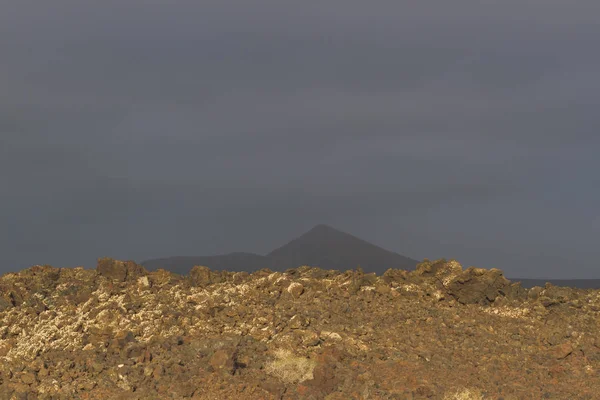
(322, 246)
(327, 248)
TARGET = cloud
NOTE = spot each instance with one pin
(152, 128)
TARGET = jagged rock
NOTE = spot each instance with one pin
(551, 295)
(28, 378)
(5, 303)
(395, 276)
(240, 277)
(117, 332)
(122, 338)
(297, 322)
(201, 276)
(383, 288)
(76, 294)
(514, 291)
(437, 268)
(330, 336)
(478, 286)
(163, 277)
(274, 387)
(224, 360)
(562, 351)
(5, 347)
(309, 338)
(534, 292)
(295, 289)
(327, 374)
(112, 269)
(120, 270)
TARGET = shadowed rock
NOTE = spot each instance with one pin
(201, 276)
(120, 270)
(478, 286)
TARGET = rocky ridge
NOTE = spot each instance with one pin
(438, 332)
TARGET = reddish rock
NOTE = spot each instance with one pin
(224, 360)
(478, 286)
(89, 334)
(562, 350)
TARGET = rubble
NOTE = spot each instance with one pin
(438, 332)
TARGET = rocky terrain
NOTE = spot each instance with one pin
(439, 332)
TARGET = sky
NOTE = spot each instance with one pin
(139, 129)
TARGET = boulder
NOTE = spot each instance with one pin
(224, 360)
(439, 272)
(120, 270)
(295, 289)
(163, 277)
(5, 302)
(478, 286)
(200, 276)
(554, 295)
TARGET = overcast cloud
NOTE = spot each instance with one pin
(140, 129)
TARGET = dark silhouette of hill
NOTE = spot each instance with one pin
(329, 248)
(322, 246)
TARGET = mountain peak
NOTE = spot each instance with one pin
(320, 227)
(330, 248)
(323, 228)
(322, 246)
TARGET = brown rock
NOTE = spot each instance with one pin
(162, 277)
(295, 289)
(218, 342)
(298, 321)
(326, 376)
(383, 288)
(223, 360)
(28, 378)
(119, 270)
(5, 347)
(514, 291)
(395, 276)
(534, 292)
(439, 268)
(562, 351)
(145, 357)
(111, 269)
(21, 392)
(5, 303)
(121, 339)
(274, 387)
(201, 276)
(478, 286)
(557, 294)
(240, 277)
(158, 372)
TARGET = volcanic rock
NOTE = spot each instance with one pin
(119, 270)
(439, 332)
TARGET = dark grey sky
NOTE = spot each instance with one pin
(139, 129)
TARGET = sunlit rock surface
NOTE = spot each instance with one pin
(439, 332)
